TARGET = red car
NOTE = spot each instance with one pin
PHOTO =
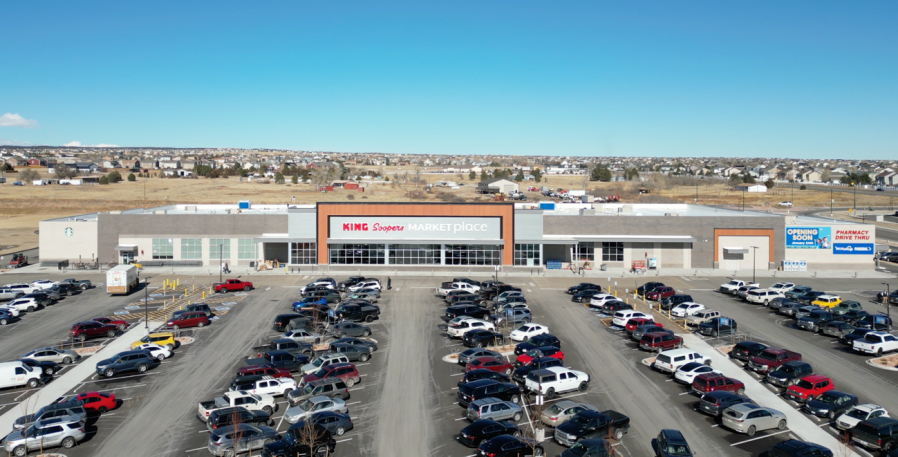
(345, 371)
(636, 322)
(660, 341)
(191, 319)
(490, 363)
(713, 382)
(264, 370)
(84, 330)
(118, 323)
(808, 388)
(96, 401)
(232, 285)
(660, 293)
(545, 351)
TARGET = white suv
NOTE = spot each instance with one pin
(622, 317)
(366, 284)
(28, 304)
(23, 288)
(673, 359)
(555, 380)
(763, 296)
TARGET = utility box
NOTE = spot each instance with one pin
(550, 206)
(244, 204)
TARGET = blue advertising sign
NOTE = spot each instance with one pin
(724, 321)
(880, 320)
(853, 248)
(808, 238)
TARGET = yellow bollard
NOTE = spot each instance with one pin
(178, 282)
(204, 295)
(615, 294)
(185, 292)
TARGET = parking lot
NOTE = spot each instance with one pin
(406, 402)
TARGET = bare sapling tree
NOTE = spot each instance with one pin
(311, 435)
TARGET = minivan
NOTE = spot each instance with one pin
(17, 374)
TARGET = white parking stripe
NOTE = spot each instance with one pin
(760, 437)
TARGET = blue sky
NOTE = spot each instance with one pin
(809, 79)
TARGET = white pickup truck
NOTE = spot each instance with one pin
(240, 398)
(269, 385)
(734, 285)
(876, 343)
(458, 329)
(446, 287)
(555, 380)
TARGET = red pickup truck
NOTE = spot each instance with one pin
(231, 285)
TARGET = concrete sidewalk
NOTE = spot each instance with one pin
(72, 378)
(799, 423)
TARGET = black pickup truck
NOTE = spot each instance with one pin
(592, 424)
(279, 359)
(358, 313)
(285, 344)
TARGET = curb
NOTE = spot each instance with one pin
(881, 367)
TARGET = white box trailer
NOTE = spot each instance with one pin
(121, 279)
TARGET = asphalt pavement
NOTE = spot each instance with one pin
(406, 403)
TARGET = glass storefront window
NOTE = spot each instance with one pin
(472, 254)
(526, 255)
(303, 253)
(612, 252)
(415, 254)
(220, 247)
(584, 251)
(191, 248)
(163, 249)
(356, 254)
(246, 249)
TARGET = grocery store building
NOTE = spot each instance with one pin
(465, 235)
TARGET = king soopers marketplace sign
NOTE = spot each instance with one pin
(409, 229)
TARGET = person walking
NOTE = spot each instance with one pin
(389, 283)
(227, 269)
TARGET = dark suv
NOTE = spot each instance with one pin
(546, 339)
(482, 338)
(715, 402)
(467, 310)
(789, 373)
(194, 307)
(488, 388)
(237, 415)
(124, 362)
(84, 330)
(295, 442)
(674, 300)
(795, 448)
(670, 443)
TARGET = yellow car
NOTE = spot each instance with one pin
(827, 301)
(166, 339)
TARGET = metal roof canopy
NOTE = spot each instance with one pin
(735, 250)
(272, 239)
(623, 238)
(126, 247)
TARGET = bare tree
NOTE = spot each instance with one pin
(312, 436)
(28, 175)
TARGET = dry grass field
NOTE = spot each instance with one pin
(24, 206)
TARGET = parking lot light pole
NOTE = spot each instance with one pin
(220, 262)
(754, 255)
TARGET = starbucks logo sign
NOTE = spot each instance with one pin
(69, 231)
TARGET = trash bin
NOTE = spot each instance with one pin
(252, 264)
(603, 267)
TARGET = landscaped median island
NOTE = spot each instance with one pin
(504, 350)
(888, 362)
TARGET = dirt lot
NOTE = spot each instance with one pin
(24, 206)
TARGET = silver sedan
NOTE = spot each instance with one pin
(560, 412)
(750, 419)
(303, 336)
(314, 405)
(52, 354)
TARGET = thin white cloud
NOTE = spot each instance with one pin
(77, 144)
(8, 142)
(14, 120)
